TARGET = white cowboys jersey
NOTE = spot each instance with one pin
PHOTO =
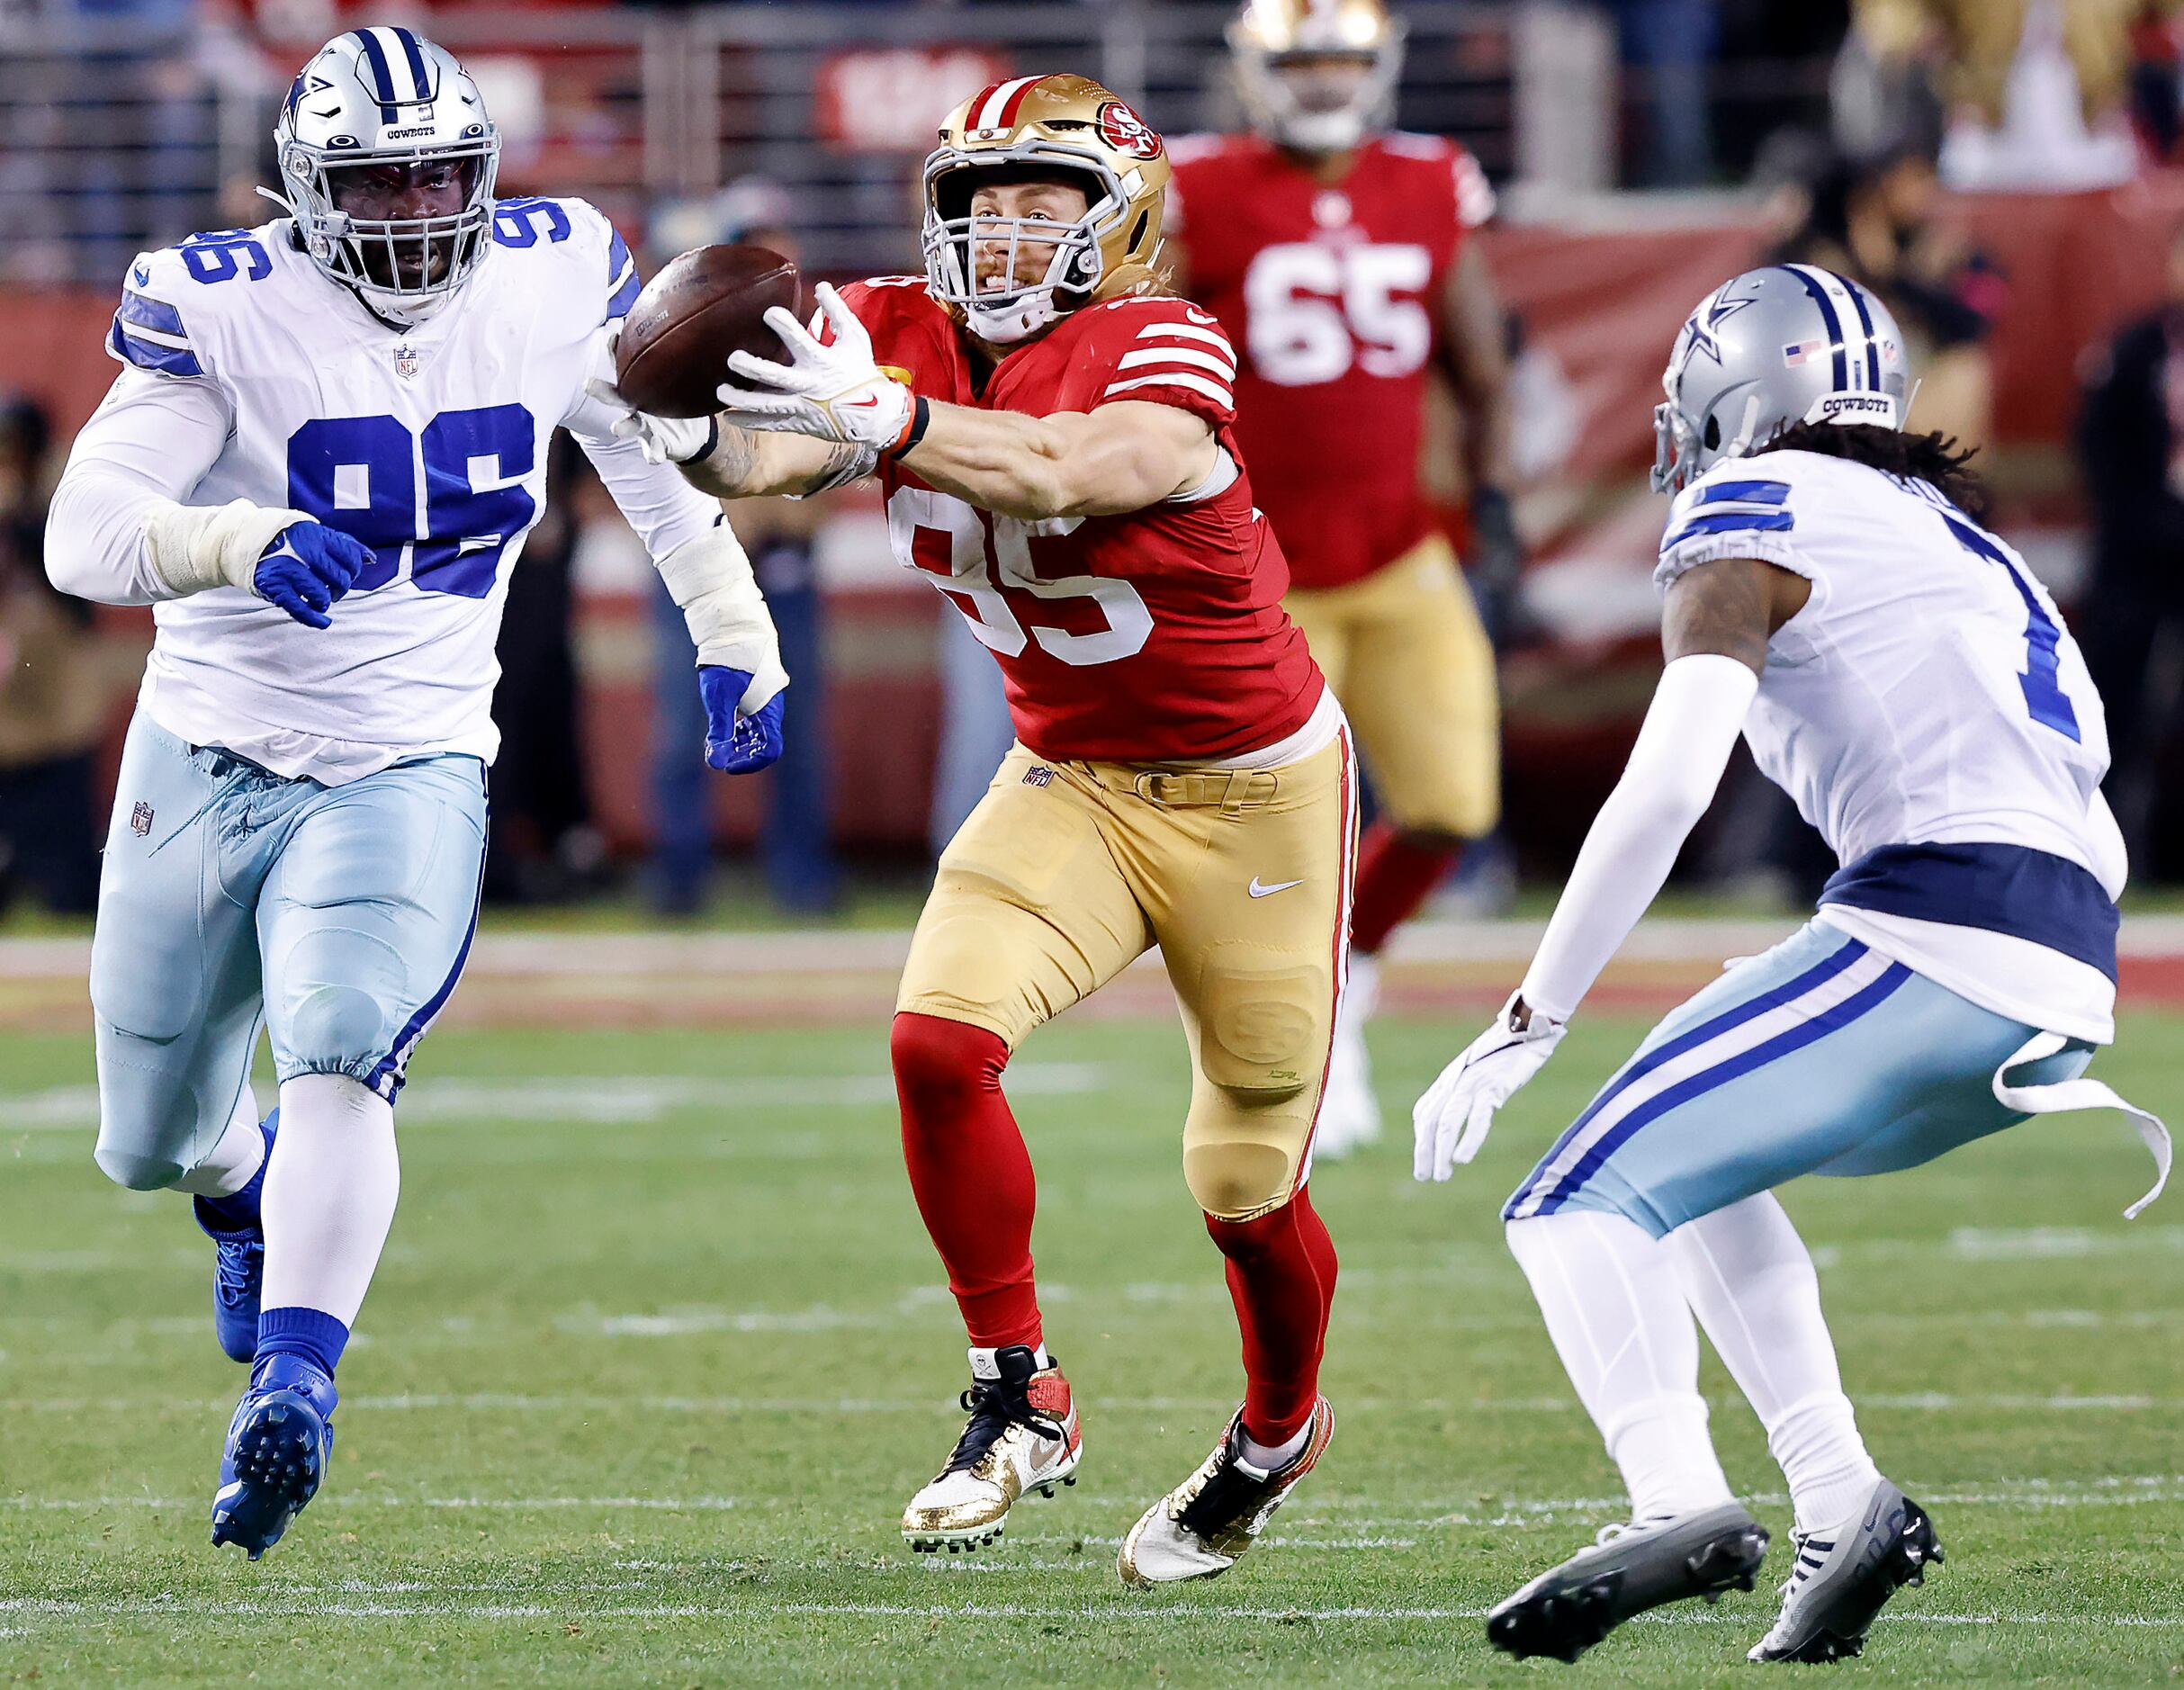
(1928, 694)
(429, 443)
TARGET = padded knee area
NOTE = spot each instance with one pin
(333, 1028)
(941, 1068)
(1234, 1181)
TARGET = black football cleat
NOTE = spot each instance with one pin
(1633, 1568)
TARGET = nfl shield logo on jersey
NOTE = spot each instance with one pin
(140, 819)
(406, 362)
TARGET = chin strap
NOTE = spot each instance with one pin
(2062, 1097)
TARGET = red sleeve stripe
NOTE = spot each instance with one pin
(1153, 357)
(1215, 391)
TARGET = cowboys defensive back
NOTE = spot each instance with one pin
(319, 463)
(1830, 593)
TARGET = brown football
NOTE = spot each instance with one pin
(711, 301)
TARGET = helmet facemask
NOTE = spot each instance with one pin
(976, 260)
(401, 266)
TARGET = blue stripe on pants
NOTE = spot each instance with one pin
(1828, 1086)
(1796, 1038)
(1849, 951)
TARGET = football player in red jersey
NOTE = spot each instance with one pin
(1337, 257)
(1055, 438)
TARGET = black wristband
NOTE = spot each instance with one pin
(920, 419)
(713, 443)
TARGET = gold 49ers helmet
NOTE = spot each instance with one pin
(1273, 38)
(1035, 126)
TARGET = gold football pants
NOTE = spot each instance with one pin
(1067, 872)
(1405, 653)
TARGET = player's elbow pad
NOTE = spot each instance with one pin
(710, 579)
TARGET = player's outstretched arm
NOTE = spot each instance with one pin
(1121, 457)
(1718, 618)
(118, 532)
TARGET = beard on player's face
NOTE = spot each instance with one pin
(1003, 262)
(380, 192)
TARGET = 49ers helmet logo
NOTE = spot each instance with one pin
(1124, 131)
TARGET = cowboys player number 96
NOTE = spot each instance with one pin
(317, 464)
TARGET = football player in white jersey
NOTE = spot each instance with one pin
(319, 463)
(1830, 593)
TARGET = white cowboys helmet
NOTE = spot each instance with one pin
(1269, 34)
(388, 96)
(1788, 344)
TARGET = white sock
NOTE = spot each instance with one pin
(985, 1364)
(330, 1199)
(1272, 1458)
(235, 1159)
(1751, 1280)
(1625, 1335)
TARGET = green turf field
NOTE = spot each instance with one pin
(658, 1350)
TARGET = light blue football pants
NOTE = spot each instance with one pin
(339, 918)
(1821, 1057)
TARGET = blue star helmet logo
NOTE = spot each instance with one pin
(1715, 312)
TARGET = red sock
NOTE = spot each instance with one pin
(969, 1170)
(1394, 874)
(1281, 1277)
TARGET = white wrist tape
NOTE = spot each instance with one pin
(193, 547)
(710, 579)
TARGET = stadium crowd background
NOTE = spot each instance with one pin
(2004, 172)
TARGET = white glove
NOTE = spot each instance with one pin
(1450, 1122)
(831, 393)
(662, 439)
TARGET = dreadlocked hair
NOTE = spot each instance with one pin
(1934, 458)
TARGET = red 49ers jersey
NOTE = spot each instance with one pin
(1333, 293)
(1154, 637)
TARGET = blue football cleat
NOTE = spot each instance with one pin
(278, 1446)
(239, 1267)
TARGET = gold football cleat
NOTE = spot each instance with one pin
(1202, 1528)
(1022, 1437)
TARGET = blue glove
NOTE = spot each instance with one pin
(738, 744)
(306, 567)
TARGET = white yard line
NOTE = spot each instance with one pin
(1102, 1614)
(1362, 1526)
(520, 1402)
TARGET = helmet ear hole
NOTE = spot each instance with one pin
(1138, 230)
(1712, 436)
